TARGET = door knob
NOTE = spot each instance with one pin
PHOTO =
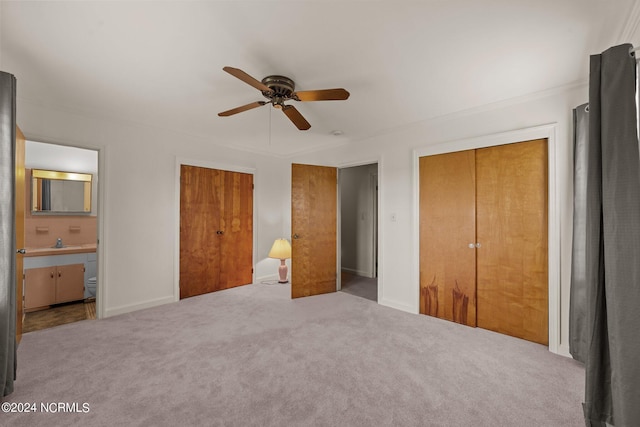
(295, 236)
(472, 246)
(21, 251)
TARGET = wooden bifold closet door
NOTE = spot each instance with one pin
(483, 238)
(216, 230)
(448, 237)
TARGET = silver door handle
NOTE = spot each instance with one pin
(295, 236)
(21, 251)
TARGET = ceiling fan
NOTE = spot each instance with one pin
(278, 90)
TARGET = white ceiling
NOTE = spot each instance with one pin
(160, 63)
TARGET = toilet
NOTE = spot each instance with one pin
(91, 287)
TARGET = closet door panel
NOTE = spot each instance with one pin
(216, 230)
(447, 229)
(236, 242)
(512, 274)
(200, 190)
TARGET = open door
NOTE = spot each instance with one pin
(20, 214)
(314, 204)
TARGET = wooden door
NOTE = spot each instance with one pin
(512, 230)
(40, 287)
(69, 283)
(20, 218)
(236, 216)
(448, 236)
(314, 230)
(216, 230)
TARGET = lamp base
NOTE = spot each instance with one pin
(282, 271)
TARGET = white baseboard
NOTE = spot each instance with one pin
(563, 350)
(357, 272)
(397, 305)
(137, 306)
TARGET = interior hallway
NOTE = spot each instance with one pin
(365, 287)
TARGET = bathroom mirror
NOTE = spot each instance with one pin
(54, 192)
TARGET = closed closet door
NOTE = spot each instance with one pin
(483, 238)
(512, 230)
(216, 230)
(236, 244)
(448, 236)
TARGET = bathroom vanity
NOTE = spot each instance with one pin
(57, 275)
(59, 220)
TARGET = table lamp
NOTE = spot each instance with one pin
(281, 250)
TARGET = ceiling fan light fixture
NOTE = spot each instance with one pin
(279, 89)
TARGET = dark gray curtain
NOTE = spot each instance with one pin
(7, 233)
(612, 243)
(578, 299)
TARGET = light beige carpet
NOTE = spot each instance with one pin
(360, 286)
(251, 356)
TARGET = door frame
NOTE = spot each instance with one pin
(101, 289)
(547, 131)
(209, 165)
(378, 234)
(374, 194)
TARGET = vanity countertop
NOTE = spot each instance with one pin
(67, 249)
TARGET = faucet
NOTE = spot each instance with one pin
(59, 243)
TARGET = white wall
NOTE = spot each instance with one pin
(137, 177)
(357, 219)
(60, 158)
(137, 212)
(395, 150)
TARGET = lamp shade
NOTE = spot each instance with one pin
(281, 249)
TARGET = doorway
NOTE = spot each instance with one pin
(358, 192)
(61, 247)
(316, 228)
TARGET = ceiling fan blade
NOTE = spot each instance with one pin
(322, 95)
(295, 116)
(241, 109)
(238, 73)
